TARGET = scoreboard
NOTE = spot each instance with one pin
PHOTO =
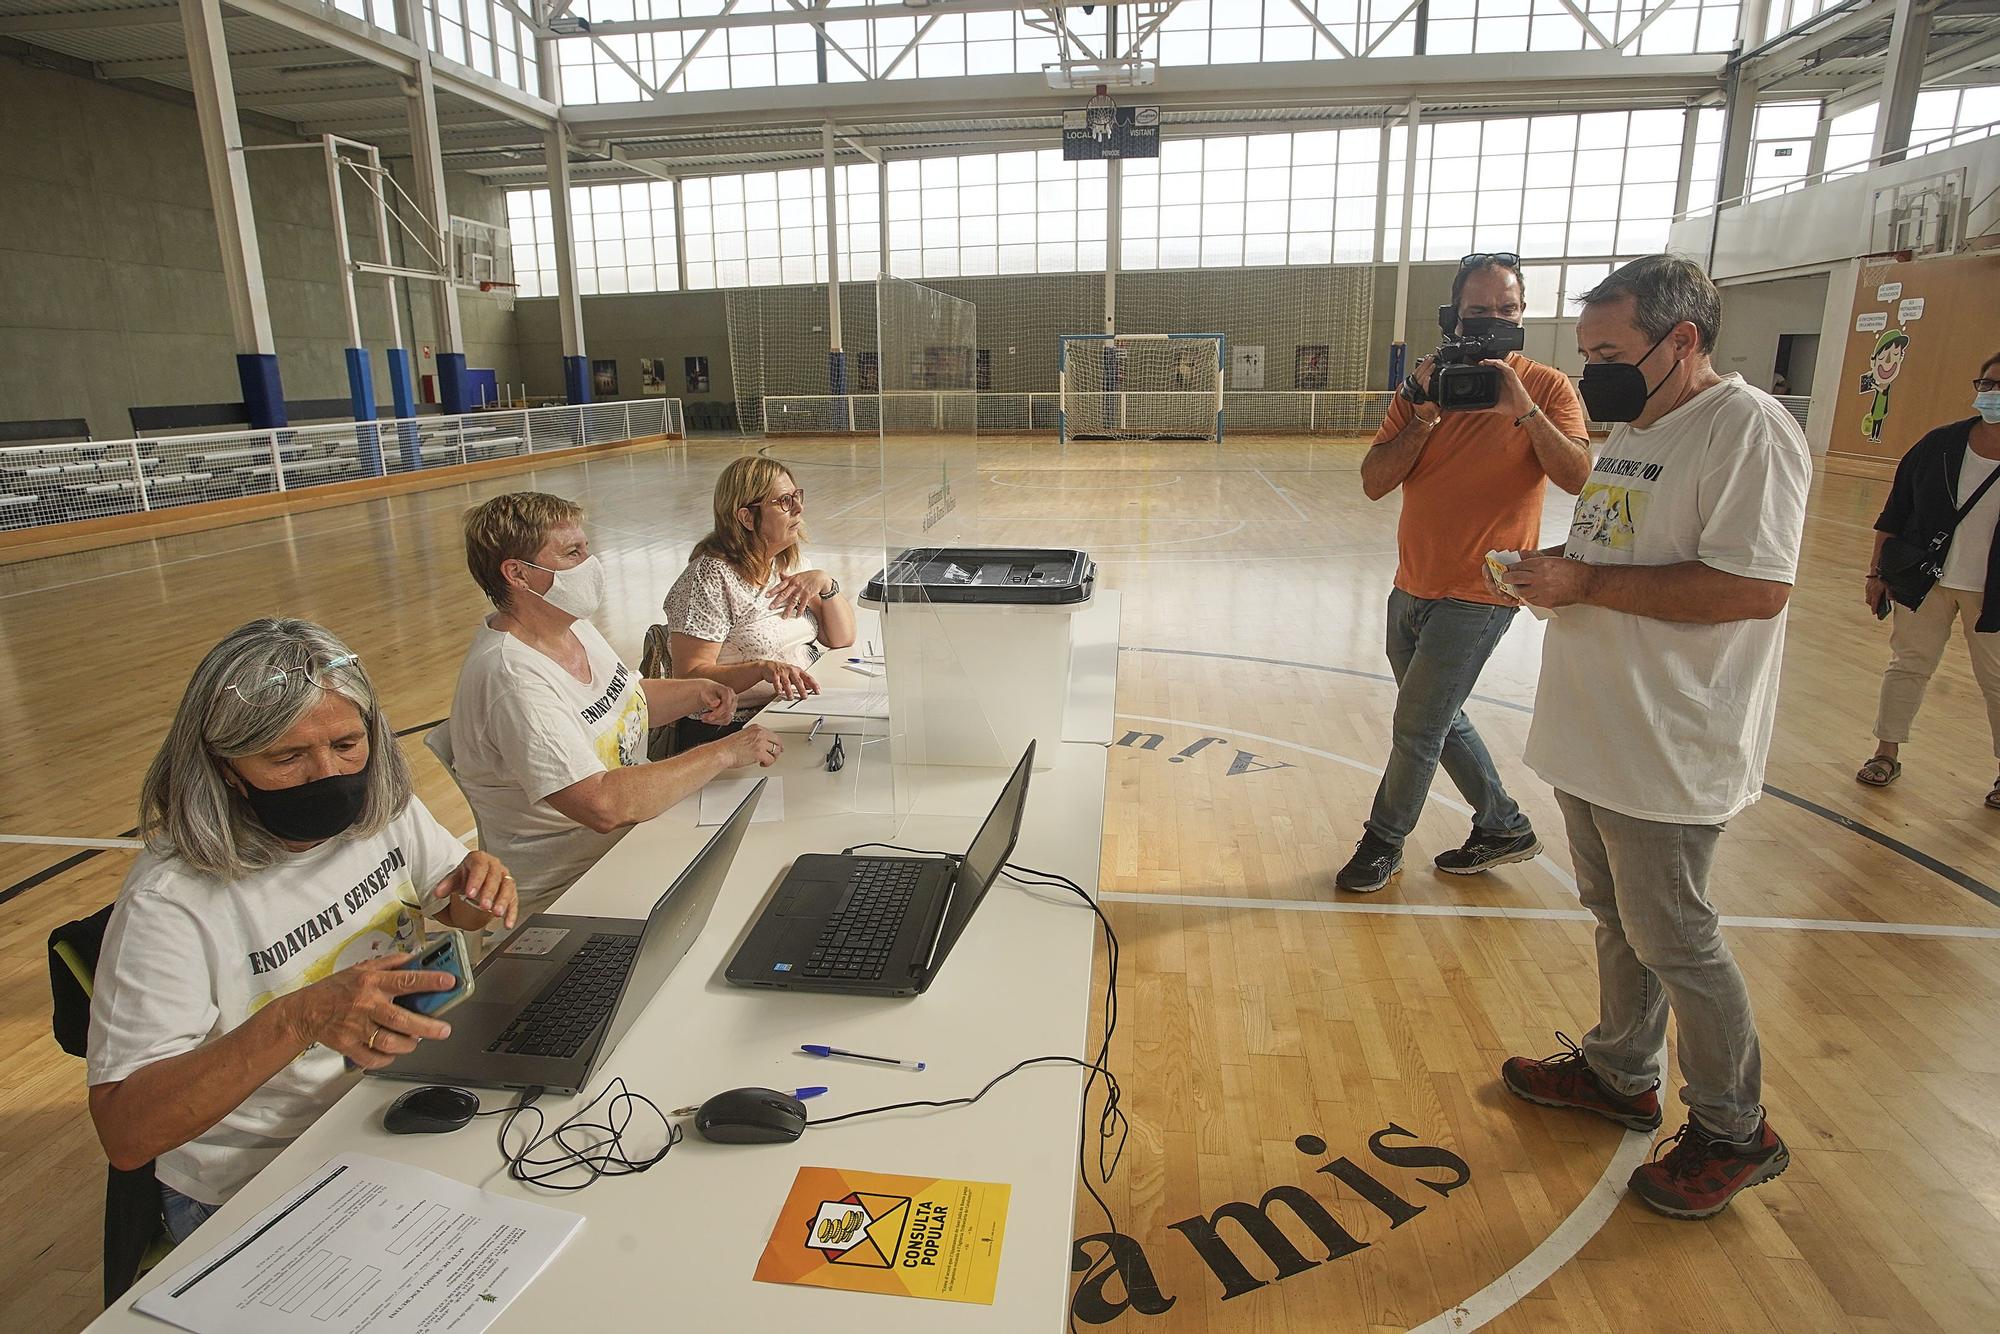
(1135, 132)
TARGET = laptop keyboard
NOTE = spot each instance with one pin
(563, 1018)
(855, 943)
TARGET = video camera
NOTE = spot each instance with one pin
(1460, 383)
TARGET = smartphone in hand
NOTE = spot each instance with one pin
(449, 953)
(1882, 605)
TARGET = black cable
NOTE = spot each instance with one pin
(600, 1155)
(1112, 1122)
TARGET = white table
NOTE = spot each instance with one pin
(674, 1249)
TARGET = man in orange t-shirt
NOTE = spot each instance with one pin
(1473, 482)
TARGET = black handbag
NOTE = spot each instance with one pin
(1911, 567)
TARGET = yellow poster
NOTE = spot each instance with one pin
(903, 1236)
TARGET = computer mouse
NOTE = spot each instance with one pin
(751, 1116)
(430, 1110)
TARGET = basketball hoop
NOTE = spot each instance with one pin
(501, 290)
(1100, 115)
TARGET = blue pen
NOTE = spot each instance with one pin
(813, 1092)
(816, 1049)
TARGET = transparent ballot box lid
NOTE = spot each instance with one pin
(985, 576)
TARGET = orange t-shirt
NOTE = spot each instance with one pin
(1476, 488)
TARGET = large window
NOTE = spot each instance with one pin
(623, 235)
(1781, 146)
(1571, 190)
(996, 213)
(1265, 199)
(489, 36)
(1598, 184)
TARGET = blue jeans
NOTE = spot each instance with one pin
(1437, 648)
(183, 1214)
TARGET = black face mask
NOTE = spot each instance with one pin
(1615, 391)
(310, 812)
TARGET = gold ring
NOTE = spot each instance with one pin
(374, 1031)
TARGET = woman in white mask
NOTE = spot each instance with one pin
(1936, 561)
(547, 735)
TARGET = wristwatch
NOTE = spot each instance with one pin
(832, 588)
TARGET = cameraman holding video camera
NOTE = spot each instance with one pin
(1473, 437)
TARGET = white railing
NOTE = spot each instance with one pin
(1277, 411)
(48, 484)
(1922, 147)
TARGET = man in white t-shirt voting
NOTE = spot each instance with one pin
(548, 728)
(1653, 718)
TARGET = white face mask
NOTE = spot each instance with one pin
(577, 591)
(1987, 405)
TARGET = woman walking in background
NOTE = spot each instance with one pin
(1944, 566)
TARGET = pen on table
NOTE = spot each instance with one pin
(817, 724)
(816, 1049)
(811, 1091)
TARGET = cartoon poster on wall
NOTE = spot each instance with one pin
(1883, 367)
(896, 1235)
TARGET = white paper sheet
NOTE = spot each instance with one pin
(367, 1244)
(839, 704)
(722, 796)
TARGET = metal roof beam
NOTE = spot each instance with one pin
(152, 16)
(308, 58)
(1552, 78)
(858, 13)
(1941, 66)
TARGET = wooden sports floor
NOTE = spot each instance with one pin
(1269, 1029)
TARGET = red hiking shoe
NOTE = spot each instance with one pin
(1700, 1174)
(1566, 1080)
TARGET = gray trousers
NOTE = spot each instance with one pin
(1660, 946)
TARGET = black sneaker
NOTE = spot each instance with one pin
(1483, 852)
(1372, 866)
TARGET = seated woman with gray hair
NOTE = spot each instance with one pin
(258, 944)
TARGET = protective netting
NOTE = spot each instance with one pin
(1299, 341)
(1141, 387)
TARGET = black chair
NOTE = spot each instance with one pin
(135, 1229)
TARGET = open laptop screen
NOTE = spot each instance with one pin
(677, 918)
(991, 847)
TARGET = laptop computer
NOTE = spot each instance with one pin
(554, 1001)
(878, 926)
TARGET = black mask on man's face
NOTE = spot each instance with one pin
(311, 812)
(1616, 391)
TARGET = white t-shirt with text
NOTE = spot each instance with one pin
(188, 958)
(1656, 719)
(522, 728)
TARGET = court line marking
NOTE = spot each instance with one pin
(1535, 914)
(1282, 496)
(1556, 1250)
(1942, 869)
(1561, 876)
(53, 841)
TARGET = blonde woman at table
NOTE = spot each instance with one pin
(257, 947)
(745, 612)
(548, 728)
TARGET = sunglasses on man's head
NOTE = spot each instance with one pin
(1504, 258)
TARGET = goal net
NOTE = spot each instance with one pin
(1140, 386)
